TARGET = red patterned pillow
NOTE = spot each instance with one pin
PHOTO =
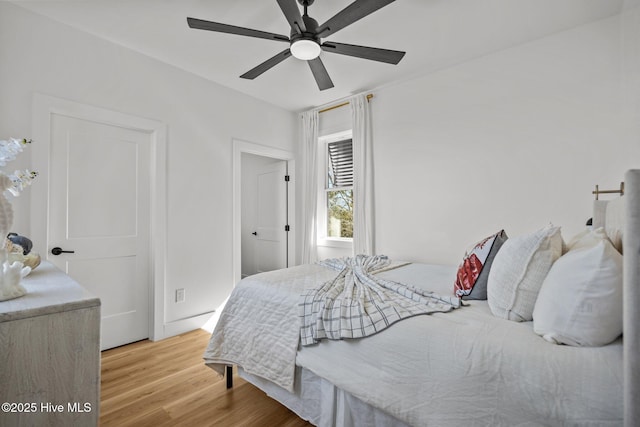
(473, 272)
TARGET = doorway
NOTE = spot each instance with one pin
(263, 204)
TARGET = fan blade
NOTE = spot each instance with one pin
(269, 63)
(350, 14)
(320, 74)
(292, 13)
(372, 53)
(232, 29)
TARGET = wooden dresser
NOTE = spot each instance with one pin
(50, 353)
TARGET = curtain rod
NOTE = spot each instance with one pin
(369, 96)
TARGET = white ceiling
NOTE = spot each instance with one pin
(435, 34)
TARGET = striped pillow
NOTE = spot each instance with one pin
(518, 271)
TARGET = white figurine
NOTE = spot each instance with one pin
(10, 276)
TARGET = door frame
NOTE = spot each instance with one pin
(44, 107)
(239, 147)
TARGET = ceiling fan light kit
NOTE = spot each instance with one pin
(305, 39)
(305, 49)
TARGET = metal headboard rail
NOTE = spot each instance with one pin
(597, 191)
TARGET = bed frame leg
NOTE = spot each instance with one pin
(229, 375)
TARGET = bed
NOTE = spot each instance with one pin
(464, 365)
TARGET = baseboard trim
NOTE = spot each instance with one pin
(185, 325)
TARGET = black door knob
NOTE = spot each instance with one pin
(255, 233)
(58, 251)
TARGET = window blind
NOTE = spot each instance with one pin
(340, 164)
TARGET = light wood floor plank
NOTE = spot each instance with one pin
(166, 383)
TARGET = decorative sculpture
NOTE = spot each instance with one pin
(11, 271)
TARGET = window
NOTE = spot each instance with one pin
(335, 198)
(339, 189)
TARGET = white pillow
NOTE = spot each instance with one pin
(518, 271)
(587, 238)
(580, 302)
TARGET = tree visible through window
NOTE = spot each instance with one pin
(339, 189)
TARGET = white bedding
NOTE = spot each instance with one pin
(253, 330)
(322, 404)
(461, 368)
(471, 368)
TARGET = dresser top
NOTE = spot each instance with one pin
(49, 290)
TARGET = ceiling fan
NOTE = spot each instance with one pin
(306, 34)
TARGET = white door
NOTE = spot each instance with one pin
(99, 209)
(270, 234)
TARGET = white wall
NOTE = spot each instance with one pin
(40, 55)
(512, 140)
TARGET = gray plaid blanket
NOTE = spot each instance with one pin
(357, 304)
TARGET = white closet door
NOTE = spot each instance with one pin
(99, 209)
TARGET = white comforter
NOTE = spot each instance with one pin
(471, 368)
(260, 327)
(255, 328)
(461, 368)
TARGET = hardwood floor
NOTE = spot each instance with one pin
(166, 383)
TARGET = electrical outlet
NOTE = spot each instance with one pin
(180, 295)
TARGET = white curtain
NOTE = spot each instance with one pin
(363, 218)
(309, 186)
